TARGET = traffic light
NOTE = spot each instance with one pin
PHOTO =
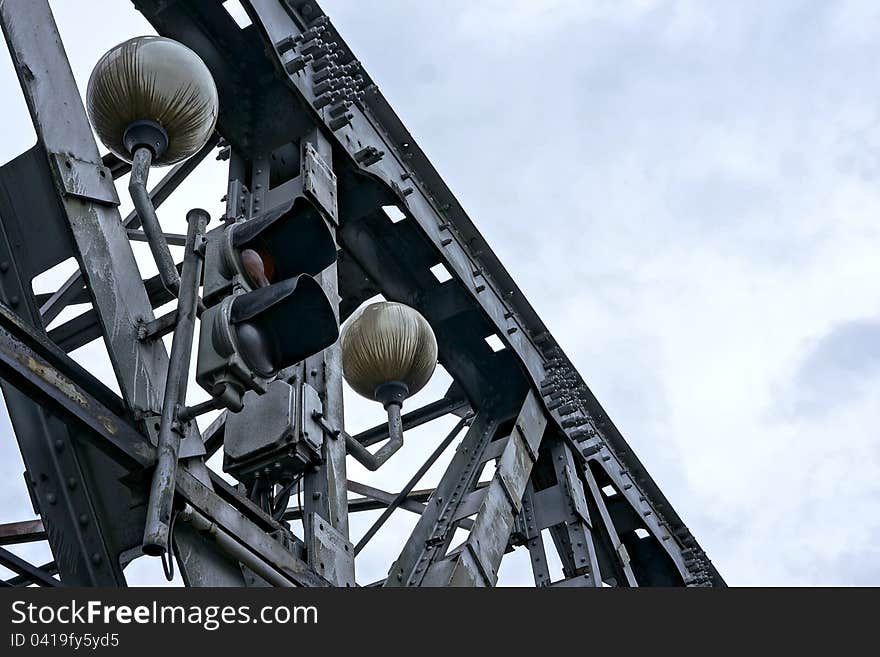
(266, 311)
(290, 240)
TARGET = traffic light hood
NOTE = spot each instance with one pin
(280, 325)
(292, 239)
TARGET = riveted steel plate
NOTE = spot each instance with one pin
(327, 552)
(86, 180)
(319, 182)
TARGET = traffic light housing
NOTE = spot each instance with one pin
(290, 240)
(275, 437)
(248, 338)
(265, 311)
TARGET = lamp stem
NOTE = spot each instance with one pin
(373, 462)
(137, 188)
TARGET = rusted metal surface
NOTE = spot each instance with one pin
(25, 531)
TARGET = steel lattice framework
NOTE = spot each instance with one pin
(287, 82)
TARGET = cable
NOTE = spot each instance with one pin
(283, 498)
(168, 556)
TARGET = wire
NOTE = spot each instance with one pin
(168, 556)
(283, 498)
(299, 503)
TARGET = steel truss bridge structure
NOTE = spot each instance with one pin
(288, 84)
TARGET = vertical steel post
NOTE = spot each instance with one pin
(326, 495)
(158, 525)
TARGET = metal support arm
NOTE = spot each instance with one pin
(356, 450)
(375, 461)
(137, 187)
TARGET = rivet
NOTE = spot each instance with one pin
(96, 558)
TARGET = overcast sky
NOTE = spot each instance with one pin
(687, 193)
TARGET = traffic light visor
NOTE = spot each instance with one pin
(278, 326)
(291, 240)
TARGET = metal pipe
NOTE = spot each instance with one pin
(137, 188)
(157, 529)
(187, 413)
(233, 548)
(173, 239)
(407, 489)
(373, 462)
(414, 418)
(414, 503)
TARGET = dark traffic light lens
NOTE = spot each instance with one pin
(280, 325)
(291, 240)
(257, 349)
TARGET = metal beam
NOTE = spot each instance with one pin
(25, 569)
(86, 327)
(29, 361)
(325, 500)
(172, 239)
(407, 488)
(574, 536)
(26, 531)
(414, 502)
(618, 550)
(476, 561)
(50, 569)
(434, 530)
(244, 532)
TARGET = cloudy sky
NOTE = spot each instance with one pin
(687, 193)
